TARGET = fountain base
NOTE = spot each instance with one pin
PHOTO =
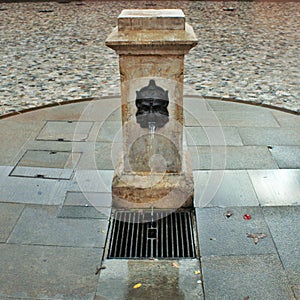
(154, 190)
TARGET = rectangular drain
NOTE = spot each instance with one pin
(169, 235)
(46, 164)
(65, 131)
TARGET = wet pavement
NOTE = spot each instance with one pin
(54, 51)
(56, 169)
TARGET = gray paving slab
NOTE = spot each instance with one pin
(221, 105)
(86, 205)
(270, 136)
(32, 190)
(110, 131)
(65, 131)
(45, 272)
(159, 279)
(263, 118)
(284, 225)
(231, 158)
(276, 187)
(39, 225)
(71, 111)
(13, 135)
(239, 277)
(287, 119)
(9, 215)
(223, 189)
(287, 156)
(214, 136)
(92, 181)
(101, 109)
(100, 156)
(231, 119)
(220, 235)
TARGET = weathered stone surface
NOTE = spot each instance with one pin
(155, 41)
(151, 19)
(159, 191)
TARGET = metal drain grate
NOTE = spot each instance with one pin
(169, 235)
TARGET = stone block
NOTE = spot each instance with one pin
(151, 19)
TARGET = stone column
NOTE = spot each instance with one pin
(154, 169)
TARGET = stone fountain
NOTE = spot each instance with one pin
(154, 169)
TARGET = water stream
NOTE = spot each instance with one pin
(152, 127)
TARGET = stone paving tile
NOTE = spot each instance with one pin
(214, 136)
(9, 215)
(270, 136)
(276, 187)
(224, 189)
(86, 205)
(284, 225)
(220, 235)
(287, 119)
(39, 225)
(263, 118)
(98, 181)
(13, 135)
(217, 105)
(45, 272)
(287, 157)
(231, 158)
(100, 156)
(33, 190)
(110, 131)
(238, 277)
(160, 280)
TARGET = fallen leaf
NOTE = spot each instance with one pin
(256, 236)
(175, 265)
(137, 286)
(197, 272)
(246, 298)
(98, 269)
(199, 281)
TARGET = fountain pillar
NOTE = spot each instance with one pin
(154, 168)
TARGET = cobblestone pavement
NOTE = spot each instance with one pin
(55, 52)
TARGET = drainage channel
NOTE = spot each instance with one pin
(157, 234)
